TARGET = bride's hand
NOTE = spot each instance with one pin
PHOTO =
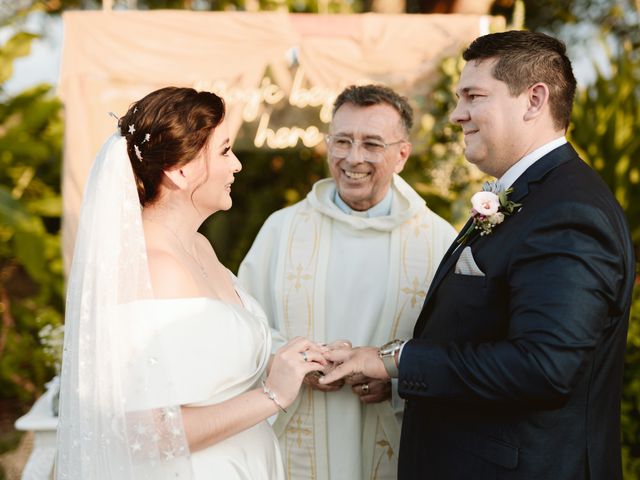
(291, 363)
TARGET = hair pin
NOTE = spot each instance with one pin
(111, 114)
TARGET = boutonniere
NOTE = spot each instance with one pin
(490, 207)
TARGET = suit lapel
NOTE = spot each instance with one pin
(451, 256)
(535, 173)
(448, 261)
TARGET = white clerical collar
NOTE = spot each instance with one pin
(380, 209)
(518, 168)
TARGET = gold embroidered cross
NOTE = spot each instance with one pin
(418, 224)
(386, 450)
(297, 430)
(415, 292)
(298, 276)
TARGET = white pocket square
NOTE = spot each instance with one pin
(466, 265)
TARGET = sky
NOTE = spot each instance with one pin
(43, 64)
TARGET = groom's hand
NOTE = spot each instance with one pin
(312, 379)
(361, 360)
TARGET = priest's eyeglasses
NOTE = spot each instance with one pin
(372, 150)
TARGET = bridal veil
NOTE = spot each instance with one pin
(99, 435)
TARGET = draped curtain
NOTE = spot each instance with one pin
(112, 58)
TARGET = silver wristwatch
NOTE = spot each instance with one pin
(387, 354)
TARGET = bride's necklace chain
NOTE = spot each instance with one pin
(195, 259)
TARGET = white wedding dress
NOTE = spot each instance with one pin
(209, 351)
(130, 361)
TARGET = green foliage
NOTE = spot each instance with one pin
(297, 6)
(605, 123)
(576, 20)
(15, 11)
(31, 271)
(267, 183)
(18, 46)
(439, 171)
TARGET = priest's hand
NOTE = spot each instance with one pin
(369, 390)
(360, 360)
(312, 378)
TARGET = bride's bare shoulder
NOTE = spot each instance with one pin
(169, 277)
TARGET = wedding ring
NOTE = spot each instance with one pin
(304, 355)
(365, 388)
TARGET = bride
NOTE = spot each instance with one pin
(166, 367)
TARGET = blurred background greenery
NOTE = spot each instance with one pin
(604, 129)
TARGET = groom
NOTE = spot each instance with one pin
(515, 367)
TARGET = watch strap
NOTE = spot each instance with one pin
(390, 366)
(387, 354)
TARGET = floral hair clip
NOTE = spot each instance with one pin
(147, 137)
(490, 206)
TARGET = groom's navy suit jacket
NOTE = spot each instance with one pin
(517, 374)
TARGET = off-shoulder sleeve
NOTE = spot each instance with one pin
(189, 351)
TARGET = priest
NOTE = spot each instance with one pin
(351, 261)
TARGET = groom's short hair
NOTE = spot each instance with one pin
(525, 58)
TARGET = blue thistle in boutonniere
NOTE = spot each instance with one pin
(490, 207)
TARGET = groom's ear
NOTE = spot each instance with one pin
(177, 177)
(537, 100)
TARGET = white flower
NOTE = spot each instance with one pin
(486, 203)
(490, 207)
(497, 218)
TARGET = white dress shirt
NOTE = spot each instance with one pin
(518, 168)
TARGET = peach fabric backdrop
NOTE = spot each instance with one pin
(113, 58)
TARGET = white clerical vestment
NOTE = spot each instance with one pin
(326, 274)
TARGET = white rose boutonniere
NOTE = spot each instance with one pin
(490, 207)
(485, 203)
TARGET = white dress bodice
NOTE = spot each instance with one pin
(201, 351)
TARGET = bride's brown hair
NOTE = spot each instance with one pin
(167, 129)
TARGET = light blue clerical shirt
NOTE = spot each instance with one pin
(380, 209)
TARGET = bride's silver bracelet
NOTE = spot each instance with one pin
(271, 395)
